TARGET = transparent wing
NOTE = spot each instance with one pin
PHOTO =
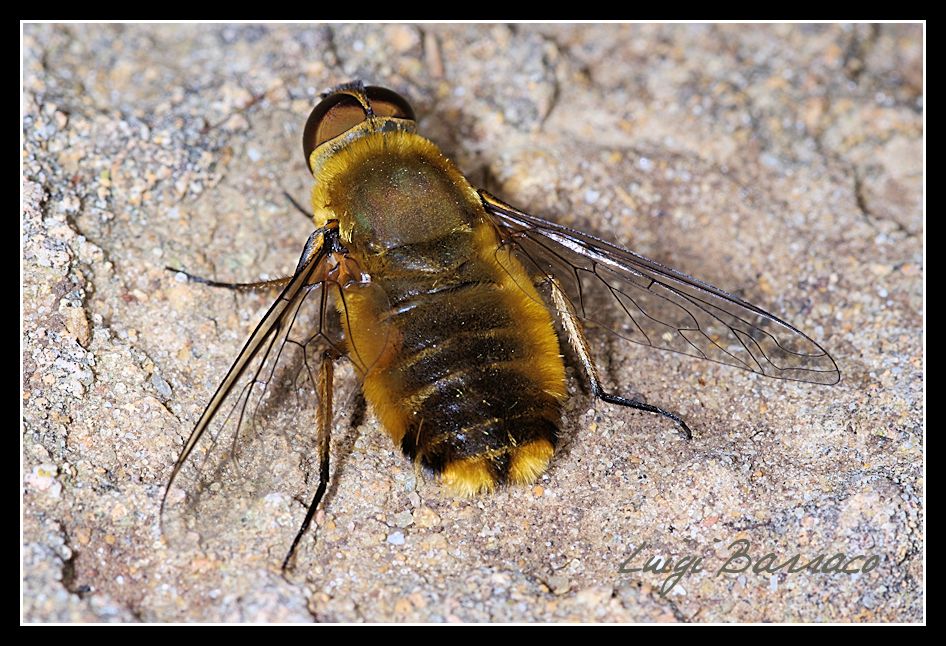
(642, 301)
(255, 442)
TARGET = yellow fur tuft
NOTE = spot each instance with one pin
(529, 461)
(468, 477)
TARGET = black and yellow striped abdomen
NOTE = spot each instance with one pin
(472, 384)
(478, 369)
(457, 350)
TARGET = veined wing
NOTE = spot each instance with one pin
(257, 434)
(659, 306)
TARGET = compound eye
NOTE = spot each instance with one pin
(386, 103)
(332, 117)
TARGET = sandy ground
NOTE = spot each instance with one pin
(780, 162)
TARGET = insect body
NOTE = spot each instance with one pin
(466, 374)
(447, 299)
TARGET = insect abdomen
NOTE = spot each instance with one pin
(473, 386)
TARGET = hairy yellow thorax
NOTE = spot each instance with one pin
(389, 189)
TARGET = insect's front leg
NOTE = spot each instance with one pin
(312, 246)
(576, 337)
(261, 285)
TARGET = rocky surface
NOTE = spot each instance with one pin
(780, 162)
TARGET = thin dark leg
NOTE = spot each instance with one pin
(246, 287)
(326, 233)
(299, 207)
(326, 375)
(630, 403)
(577, 338)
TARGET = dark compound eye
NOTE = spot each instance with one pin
(340, 112)
(332, 117)
(385, 103)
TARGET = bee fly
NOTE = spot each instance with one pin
(447, 298)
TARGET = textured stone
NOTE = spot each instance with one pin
(780, 162)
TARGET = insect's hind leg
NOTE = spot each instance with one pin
(578, 341)
(324, 387)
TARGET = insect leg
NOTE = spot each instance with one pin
(578, 341)
(324, 387)
(298, 207)
(247, 287)
(261, 285)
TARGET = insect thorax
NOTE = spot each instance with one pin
(393, 189)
